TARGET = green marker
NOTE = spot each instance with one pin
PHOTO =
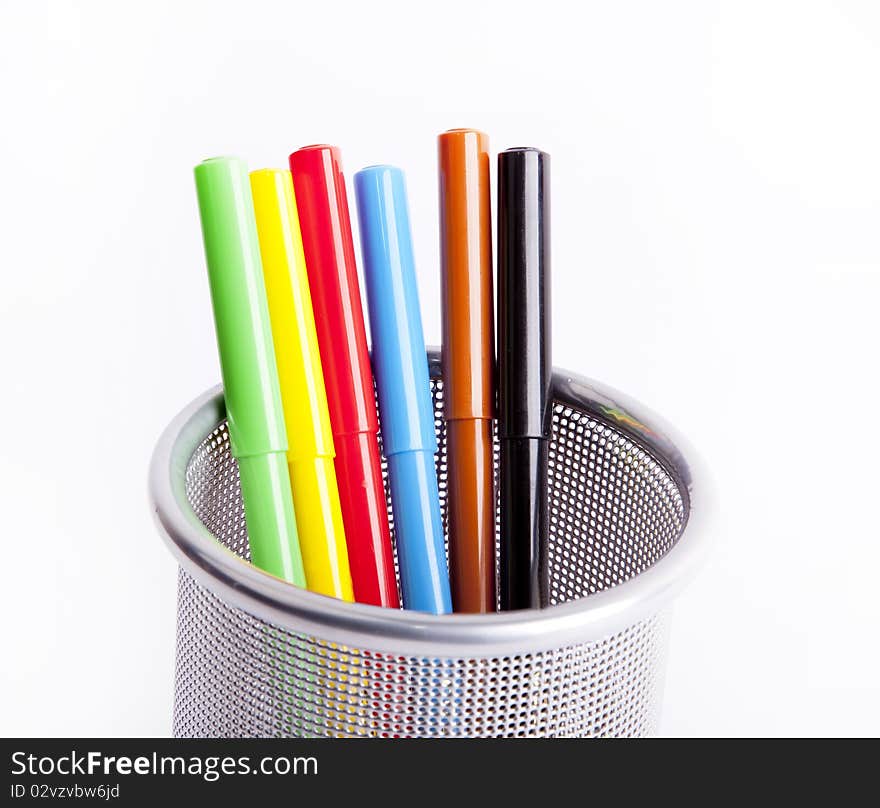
(247, 361)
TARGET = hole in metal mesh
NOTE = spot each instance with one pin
(614, 511)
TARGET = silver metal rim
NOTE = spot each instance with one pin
(400, 632)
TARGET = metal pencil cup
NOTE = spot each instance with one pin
(258, 657)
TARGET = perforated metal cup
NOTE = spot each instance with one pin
(259, 657)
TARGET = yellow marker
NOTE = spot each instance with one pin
(304, 399)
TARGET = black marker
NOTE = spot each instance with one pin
(524, 367)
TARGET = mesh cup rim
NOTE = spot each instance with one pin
(391, 631)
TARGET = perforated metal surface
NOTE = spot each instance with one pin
(615, 510)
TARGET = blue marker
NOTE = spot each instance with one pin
(401, 369)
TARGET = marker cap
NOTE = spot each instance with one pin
(330, 259)
(524, 339)
(241, 316)
(466, 265)
(400, 362)
(298, 358)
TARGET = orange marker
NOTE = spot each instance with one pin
(468, 359)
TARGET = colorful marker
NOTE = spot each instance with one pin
(255, 418)
(319, 187)
(310, 453)
(525, 371)
(403, 384)
(468, 359)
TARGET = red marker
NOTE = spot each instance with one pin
(319, 188)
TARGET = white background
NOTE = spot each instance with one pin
(716, 192)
